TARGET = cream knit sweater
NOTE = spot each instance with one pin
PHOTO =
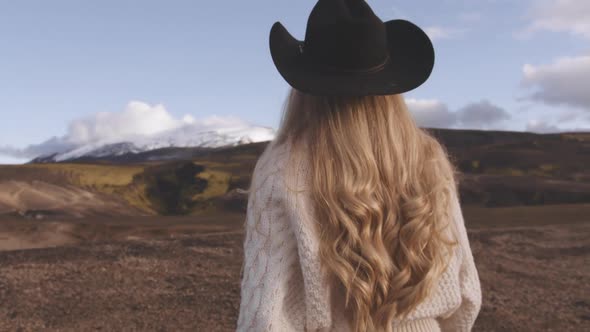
(283, 286)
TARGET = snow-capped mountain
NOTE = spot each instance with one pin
(187, 136)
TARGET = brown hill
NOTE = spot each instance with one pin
(498, 169)
(510, 168)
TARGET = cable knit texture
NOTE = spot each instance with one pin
(283, 285)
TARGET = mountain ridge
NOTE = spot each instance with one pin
(187, 136)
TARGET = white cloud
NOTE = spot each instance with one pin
(431, 113)
(50, 146)
(571, 16)
(438, 32)
(543, 127)
(11, 161)
(537, 126)
(482, 115)
(138, 119)
(435, 114)
(564, 82)
(571, 115)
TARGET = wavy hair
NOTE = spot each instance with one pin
(381, 187)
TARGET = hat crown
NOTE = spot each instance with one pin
(345, 35)
(349, 51)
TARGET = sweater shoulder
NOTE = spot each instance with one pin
(271, 165)
(272, 159)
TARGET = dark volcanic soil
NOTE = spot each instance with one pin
(182, 274)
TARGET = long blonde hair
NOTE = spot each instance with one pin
(380, 187)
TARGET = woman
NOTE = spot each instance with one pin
(353, 220)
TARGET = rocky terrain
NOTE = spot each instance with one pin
(183, 273)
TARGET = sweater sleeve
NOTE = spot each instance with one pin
(318, 311)
(463, 317)
(262, 285)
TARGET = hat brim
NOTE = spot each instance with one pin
(410, 64)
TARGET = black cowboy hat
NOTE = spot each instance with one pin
(349, 51)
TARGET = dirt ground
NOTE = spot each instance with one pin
(182, 273)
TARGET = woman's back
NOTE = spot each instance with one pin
(284, 284)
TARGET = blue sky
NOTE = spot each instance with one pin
(519, 65)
